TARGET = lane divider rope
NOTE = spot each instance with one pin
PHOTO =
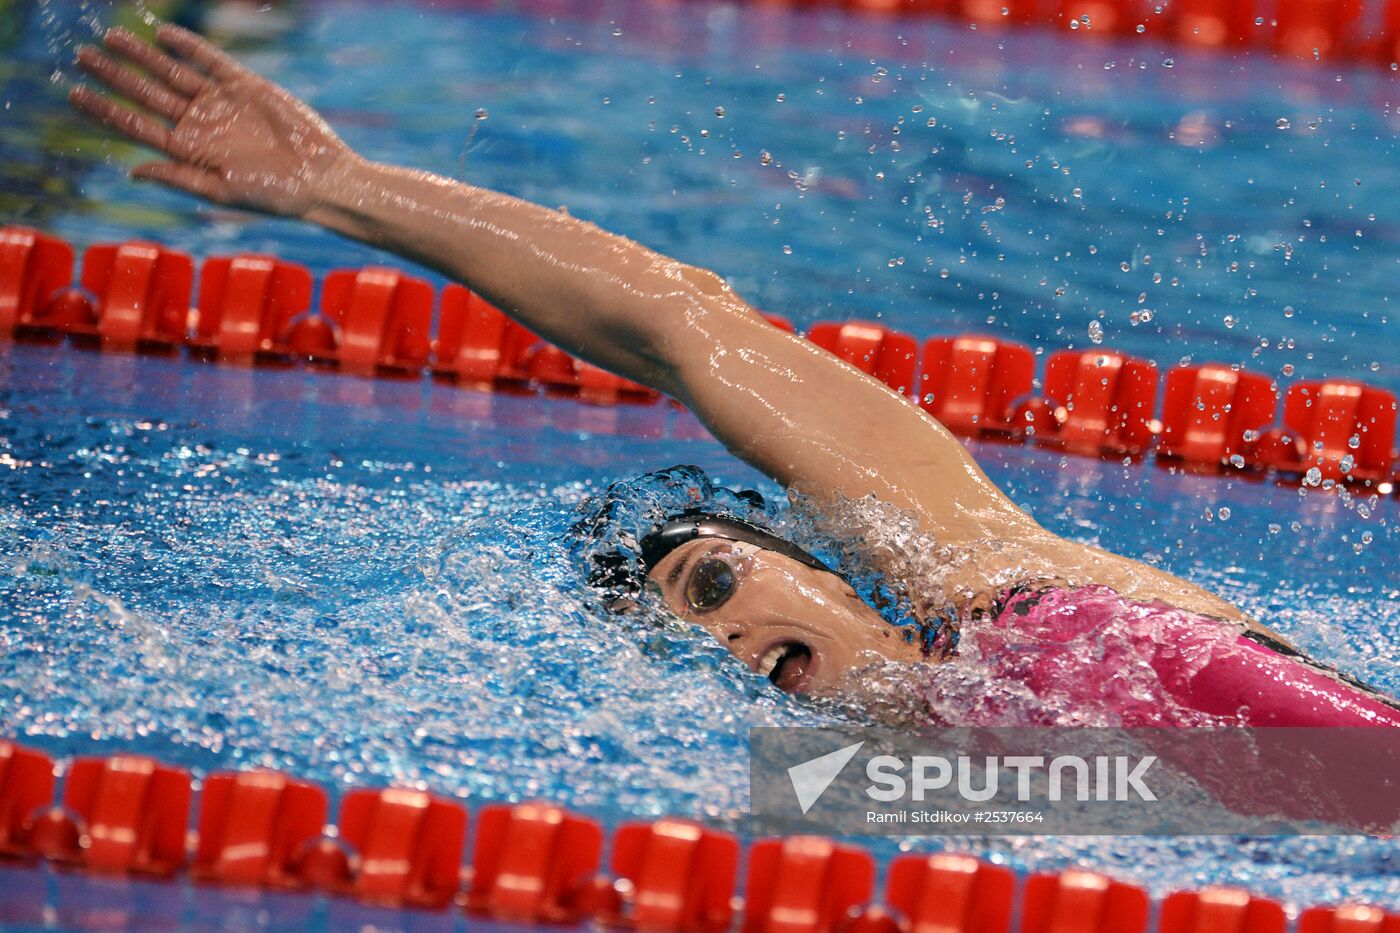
(537, 862)
(1316, 30)
(378, 321)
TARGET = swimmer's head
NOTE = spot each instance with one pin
(776, 607)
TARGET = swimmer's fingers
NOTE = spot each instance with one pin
(182, 79)
(135, 87)
(184, 177)
(130, 123)
(201, 51)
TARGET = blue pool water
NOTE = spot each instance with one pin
(368, 582)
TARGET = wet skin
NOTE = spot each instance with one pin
(816, 425)
(803, 628)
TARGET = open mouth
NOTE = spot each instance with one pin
(787, 665)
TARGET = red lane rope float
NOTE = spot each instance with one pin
(246, 307)
(1337, 426)
(122, 814)
(805, 884)
(377, 321)
(950, 892)
(380, 322)
(252, 826)
(1208, 413)
(1095, 402)
(681, 873)
(971, 383)
(1219, 908)
(1350, 918)
(539, 863)
(33, 268)
(533, 863)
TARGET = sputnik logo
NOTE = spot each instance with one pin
(811, 778)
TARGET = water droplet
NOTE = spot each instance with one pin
(719, 112)
(787, 250)
(1224, 513)
(1168, 63)
(1313, 477)
(1096, 332)
(765, 157)
(1237, 462)
(1283, 123)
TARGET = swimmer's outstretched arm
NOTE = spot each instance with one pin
(789, 408)
(794, 411)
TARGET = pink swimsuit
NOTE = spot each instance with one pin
(1089, 650)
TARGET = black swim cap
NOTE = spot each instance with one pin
(616, 534)
(694, 523)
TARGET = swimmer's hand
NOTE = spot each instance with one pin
(229, 135)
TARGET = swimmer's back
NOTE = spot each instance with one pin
(1151, 664)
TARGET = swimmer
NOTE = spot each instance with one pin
(819, 427)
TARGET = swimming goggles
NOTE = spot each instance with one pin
(688, 527)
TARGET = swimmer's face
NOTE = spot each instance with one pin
(802, 628)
